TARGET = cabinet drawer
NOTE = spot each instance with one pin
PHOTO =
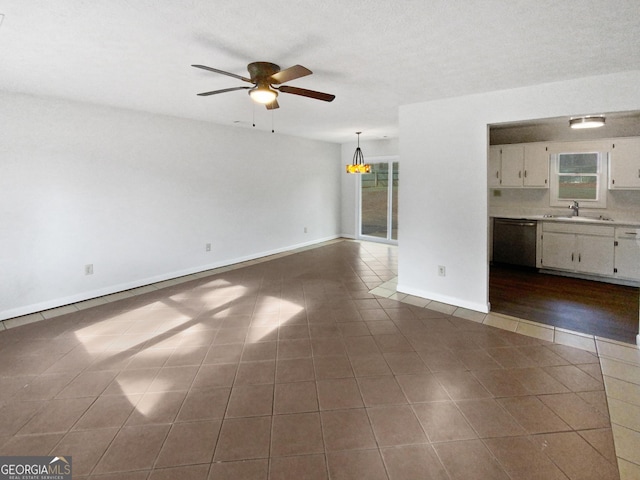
(581, 229)
(628, 232)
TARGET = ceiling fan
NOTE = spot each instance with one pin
(264, 76)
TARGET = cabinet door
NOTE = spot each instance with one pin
(627, 258)
(512, 165)
(494, 166)
(536, 165)
(595, 255)
(625, 163)
(558, 250)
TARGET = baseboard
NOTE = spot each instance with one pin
(123, 287)
(437, 297)
(595, 278)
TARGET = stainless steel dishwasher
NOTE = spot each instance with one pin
(514, 241)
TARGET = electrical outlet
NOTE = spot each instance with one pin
(442, 271)
(207, 247)
(88, 269)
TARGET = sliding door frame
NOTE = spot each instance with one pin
(390, 160)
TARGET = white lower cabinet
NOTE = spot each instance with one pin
(627, 253)
(595, 254)
(585, 249)
(558, 250)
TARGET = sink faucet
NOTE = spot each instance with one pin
(575, 206)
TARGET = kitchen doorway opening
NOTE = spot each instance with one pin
(584, 305)
(378, 201)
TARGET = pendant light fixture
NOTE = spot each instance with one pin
(586, 122)
(357, 164)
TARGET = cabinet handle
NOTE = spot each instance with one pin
(572, 257)
(525, 174)
(497, 173)
(579, 257)
(520, 174)
(639, 173)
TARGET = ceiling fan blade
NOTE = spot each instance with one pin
(273, 105)
(215, 70)
(307, 93)
(289, 74)
(224, 90)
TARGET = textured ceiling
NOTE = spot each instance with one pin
(374, 55)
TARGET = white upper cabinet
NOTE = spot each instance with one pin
(624, 165)
(526, 165)
(536, 165)
(494, 166)
(519, 165)
(512, 163)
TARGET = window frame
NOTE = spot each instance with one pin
(601, 178)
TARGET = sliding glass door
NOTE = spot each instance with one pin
(379, 202)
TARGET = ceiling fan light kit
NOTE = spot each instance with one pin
(357, 164)
(586, 122)
(263, 95)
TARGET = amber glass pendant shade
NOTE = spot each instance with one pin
(362, 168)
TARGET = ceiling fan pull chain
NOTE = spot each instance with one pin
(253, 106)
(272, 129)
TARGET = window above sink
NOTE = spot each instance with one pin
(579, 176)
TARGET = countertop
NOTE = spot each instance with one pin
(587, 219)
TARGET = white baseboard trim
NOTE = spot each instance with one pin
(143, 282)
(433, 296)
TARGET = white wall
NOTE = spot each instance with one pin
(139, 195)
(444, 196)
(371, 149)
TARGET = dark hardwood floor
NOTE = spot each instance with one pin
(596, 308)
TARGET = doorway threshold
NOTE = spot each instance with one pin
(529, 328)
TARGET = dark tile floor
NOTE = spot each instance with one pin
(290, 369)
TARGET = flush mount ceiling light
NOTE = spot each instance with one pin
(357, 164)
(586, 122)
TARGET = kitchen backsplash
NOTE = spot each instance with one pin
(622, 205)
